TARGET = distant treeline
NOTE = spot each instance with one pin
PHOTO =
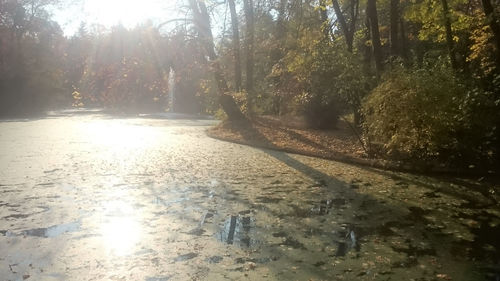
(119, 68)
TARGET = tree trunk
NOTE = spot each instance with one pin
(367, 52)
(420, 51)
(277, 54)
(236, 46)
(394, 14)
(371, 11)
(494, 25)
(202, 22)
(404, 43)
(280, 24)
(348, 34)
(354, 16)
(248, 6)
(449, 35)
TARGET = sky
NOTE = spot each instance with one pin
(112, 12)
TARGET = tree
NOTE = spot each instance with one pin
(449, 35)
(236, 46)
(395, 20)
(347, 29)
(494, 25)
(371, 12)
(249, 46)
(202, 23)
(30, 57)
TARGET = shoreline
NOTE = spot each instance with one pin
(256, 134)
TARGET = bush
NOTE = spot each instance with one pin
(429, 115)
(413, 114)
(480, 118)
(327, 81)
(320, 112)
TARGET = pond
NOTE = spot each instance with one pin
(91, 196)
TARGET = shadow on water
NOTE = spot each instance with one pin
(321, 208)
(49, 232)
(448, 185)
(186, 257)
(162, 278)
(410, 218)
(485, 244)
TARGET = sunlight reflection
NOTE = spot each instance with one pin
(121, 230)
(120, 135)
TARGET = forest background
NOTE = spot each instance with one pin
(419, 80)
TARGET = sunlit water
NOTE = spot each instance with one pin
(90, 197)
(120, 227)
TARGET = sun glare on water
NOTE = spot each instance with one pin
(121, 231)
(122, 137)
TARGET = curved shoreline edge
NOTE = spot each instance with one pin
(214, 132)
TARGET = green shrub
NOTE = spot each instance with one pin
(324, 79)
(480, 118)
(429, 115)
(413, 114)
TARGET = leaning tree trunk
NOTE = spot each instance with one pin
(371, 11)
(348, 34)
(236, 46)
(248, 7)
(449, 35)
(202, 22)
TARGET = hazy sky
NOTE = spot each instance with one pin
(112, 12)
